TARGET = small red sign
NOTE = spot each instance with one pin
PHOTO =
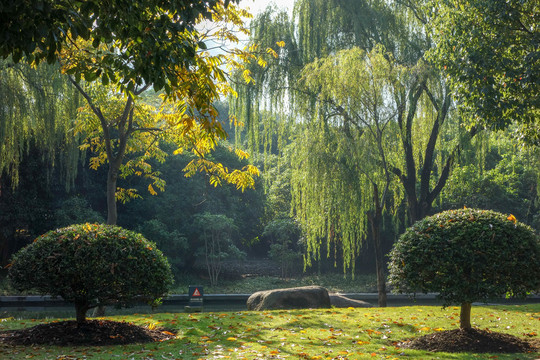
(196, 293)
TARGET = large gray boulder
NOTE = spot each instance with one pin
(341, 301)
(295, 298)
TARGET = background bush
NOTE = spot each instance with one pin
(93, 265)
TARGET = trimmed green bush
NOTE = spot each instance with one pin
(92, 265)
(467, 255)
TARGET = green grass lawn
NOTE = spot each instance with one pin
(296, 334)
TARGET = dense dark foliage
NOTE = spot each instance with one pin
(145, 33)
(93, 265)
(467, 255)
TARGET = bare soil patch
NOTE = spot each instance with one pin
(90, 333)
(473, 340)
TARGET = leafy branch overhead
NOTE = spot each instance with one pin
(135, 39)
(491, 57)
(124, 132)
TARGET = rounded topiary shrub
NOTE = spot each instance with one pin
(93, 265)
(467, 255)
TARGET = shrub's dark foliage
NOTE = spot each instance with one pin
(467, 255)
(92, 265)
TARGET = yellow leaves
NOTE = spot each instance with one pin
(234, 121)
(241, 154)
(151, 190)
(125, 195)
(262, 62)
(280, 44)
(246, 74)
(217, 172)
(96, 161)
(512, 218)
(370, 331)
(231, 339)
(179, 151)
(253, 47)
(272, 52)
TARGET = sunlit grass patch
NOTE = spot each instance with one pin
(352, 333)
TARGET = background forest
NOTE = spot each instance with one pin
(355, 126)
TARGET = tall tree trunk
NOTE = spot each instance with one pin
(112, 214)
(465, 316)
(112, 177)
(379, 265)
(375, 220)
(418, 209)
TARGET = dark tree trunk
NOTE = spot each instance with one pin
(81, 309)
(417, 182)
(112, 213)
(465, 316)
(379, 265)
(112, 176)
(418, 209)
(375, 220)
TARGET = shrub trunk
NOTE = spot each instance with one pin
(465, 316)
(81, 310)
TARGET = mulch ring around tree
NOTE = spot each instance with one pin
(90, 333)
(472, 340)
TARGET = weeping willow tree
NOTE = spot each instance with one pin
(342, 180)
(340, 192)
(38, 109)
(319, 29)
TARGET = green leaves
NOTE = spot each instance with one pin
(157, 34)
(467, 255)
(490, 55)
(92, 265)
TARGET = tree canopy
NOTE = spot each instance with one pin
(118, 124)
(142, 41)
(364, 112)
(489, 50)
(39, 106)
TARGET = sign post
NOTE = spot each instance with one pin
(196, 296)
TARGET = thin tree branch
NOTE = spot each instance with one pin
(99, 114)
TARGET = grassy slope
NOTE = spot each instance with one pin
(299, 334)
